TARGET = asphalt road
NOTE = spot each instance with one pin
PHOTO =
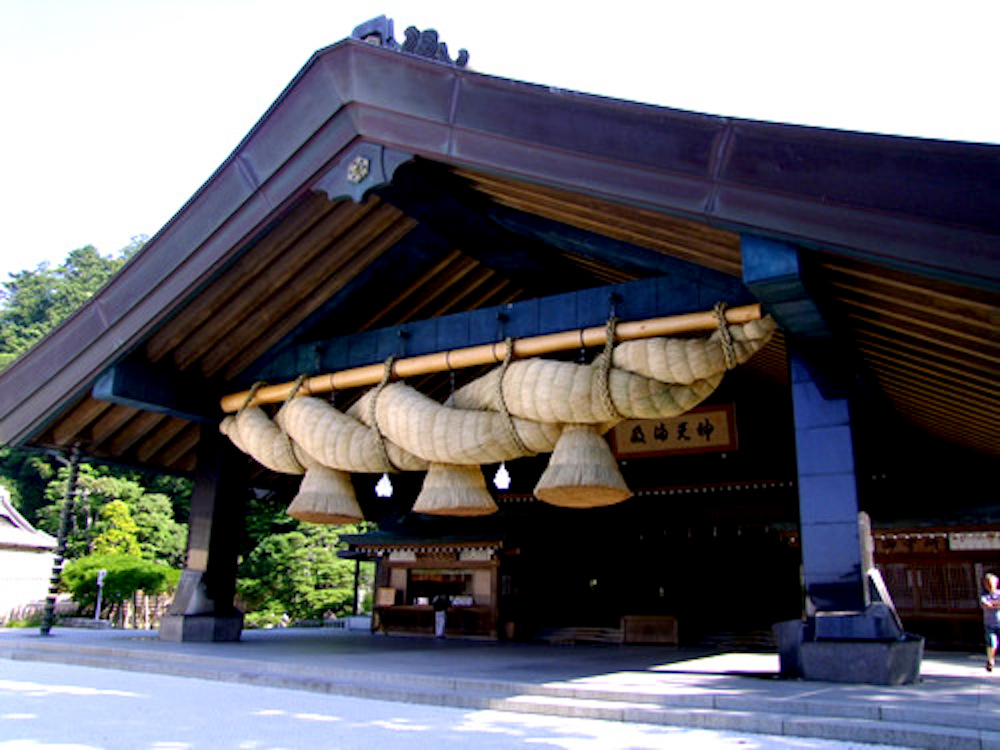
(58, 707)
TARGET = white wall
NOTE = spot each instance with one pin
(24, 579)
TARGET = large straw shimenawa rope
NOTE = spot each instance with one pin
(445, 434)
(326, 495)
(253, 432)
(554, 392)
(684, 361)
(649, 378)
(521, 408)
(340, 441)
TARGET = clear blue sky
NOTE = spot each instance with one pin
(115, 111)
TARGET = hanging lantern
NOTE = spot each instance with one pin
(383, 487)
(501, 480)
(582, 472)
(326, 496)
(452, 490)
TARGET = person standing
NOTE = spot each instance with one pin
(440, 603)
(990, 602)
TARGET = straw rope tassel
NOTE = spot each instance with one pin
(326, 496)
(450, 490)
(582, 472)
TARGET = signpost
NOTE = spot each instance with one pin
(101, 574)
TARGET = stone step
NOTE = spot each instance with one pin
(901, 722)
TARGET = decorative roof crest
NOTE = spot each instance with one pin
(379, 31)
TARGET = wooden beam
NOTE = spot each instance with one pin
(943, 371)
(490, 354)
(440, 202)
(338, 268)
(675, 238)
(271, 247)
(773, 271)
(141, 385)
(138, 428)
(68, 430)
(492, 315)
(157, 440)
(938, 342)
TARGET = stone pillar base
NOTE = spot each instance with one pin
(200, 628)
(871, 662)
(789, 635)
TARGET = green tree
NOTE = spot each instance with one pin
(126, 574)
(116, 531)
(32, 303)
(177, 489)
(306, 576)
(297, 573)
(265, 516)
(159, 536)
(115, 510)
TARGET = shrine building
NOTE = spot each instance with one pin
(633, 374)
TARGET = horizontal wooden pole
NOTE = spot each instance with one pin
(484, 354)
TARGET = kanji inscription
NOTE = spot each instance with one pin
(706, 428)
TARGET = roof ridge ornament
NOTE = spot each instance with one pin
(426, 43)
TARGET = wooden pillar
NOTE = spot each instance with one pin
(846, 638)
(828, 497)
(203, 608)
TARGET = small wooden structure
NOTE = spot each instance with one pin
(411, 572)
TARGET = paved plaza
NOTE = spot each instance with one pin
(955, 705)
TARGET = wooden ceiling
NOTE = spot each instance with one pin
(685, 240)
(929, 349)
